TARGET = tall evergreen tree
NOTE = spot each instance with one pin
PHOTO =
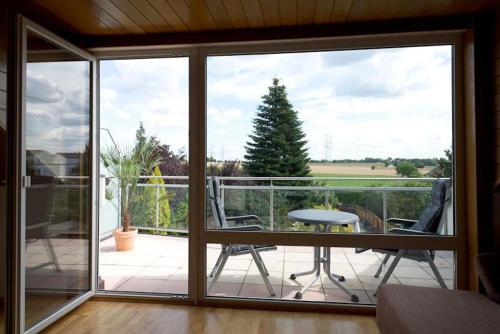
(277, 144)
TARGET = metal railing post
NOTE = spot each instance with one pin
(384, 204)
(271, 207)
(157, 208)
(221, 187)
(326, 199)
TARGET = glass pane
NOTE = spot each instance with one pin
(367, 132)
(240, 276)
(58, 217)
(144, 108)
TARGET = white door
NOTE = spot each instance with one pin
(57, 213)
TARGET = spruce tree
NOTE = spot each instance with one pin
(277, 144)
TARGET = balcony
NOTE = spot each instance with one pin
(159, 261)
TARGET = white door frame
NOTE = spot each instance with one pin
(24, 26)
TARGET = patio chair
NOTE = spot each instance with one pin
(238, 223)
(430, 222)
(39, 199)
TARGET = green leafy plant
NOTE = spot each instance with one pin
(152, 194)
(126, 165)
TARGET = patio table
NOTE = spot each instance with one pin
(323, 220)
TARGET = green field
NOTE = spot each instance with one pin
(365, 183)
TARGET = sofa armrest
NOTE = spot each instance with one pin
(489, 273)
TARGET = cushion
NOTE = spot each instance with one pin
(411, 309)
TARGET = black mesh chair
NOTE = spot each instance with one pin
(238, 223)
(39, 201)
(430, 222)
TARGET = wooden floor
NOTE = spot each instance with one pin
(122, 317)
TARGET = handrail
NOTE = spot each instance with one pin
(272, 188)
(314, 178)
(293, 178)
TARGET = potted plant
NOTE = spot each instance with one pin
(126, 165)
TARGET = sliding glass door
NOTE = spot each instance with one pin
(56, 177)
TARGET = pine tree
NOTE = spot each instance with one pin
(277, 144)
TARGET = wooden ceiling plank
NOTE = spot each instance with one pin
(185, 14)
(135, 15)
(108, 19)
(200, 10)
(82, 21)
(341, 11)
(253, 12)
(152, 15)
(324, 10)
(236, 13)
(463, 6)
(288, 12)
(306, 11)
(435, 7)
(219, 14)
(271, 12)
(401, 8)
(360, 10)
(84, 9)
(118, 15)
(169, 15)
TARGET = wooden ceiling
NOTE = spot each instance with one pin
(126, 17)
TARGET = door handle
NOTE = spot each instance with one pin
(26, 181)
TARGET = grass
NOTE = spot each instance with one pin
(362, 183)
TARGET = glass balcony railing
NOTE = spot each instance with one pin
(164, 199)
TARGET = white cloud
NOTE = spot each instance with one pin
(371, 102)
(385, 102)
(152, 91)
(224, 116)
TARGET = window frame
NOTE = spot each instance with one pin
(454, 242)
(199, 236)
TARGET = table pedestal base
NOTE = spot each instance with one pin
(318, 260)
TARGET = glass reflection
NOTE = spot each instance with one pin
(57, 161)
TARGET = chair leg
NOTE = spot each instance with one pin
(384, 262)
(217, 263)
(52, 253)
(392, 266)
(435, 270)
(217, 273)
(262, 263)
(262, 271)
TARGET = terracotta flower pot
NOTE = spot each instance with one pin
(125, 240)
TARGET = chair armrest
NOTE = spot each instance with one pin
(404, 231)
(242, 228)
(243, 219)
(403, 223)
(489, 273)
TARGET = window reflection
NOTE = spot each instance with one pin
(57, 161)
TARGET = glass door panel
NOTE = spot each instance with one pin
(144, 107)
(57, 182)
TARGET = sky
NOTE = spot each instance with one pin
(353, 104)
(57, 106)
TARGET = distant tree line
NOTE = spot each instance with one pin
(418, 162)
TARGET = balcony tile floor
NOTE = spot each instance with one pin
(159, 264)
